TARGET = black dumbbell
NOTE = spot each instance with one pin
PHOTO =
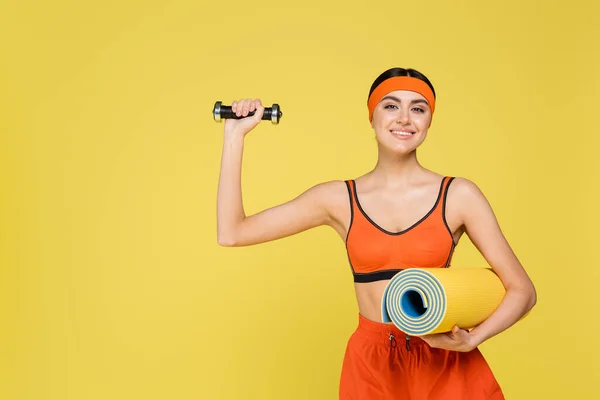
(221, 112)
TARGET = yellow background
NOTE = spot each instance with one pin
(112, 282)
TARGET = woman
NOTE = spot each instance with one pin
(398, 215)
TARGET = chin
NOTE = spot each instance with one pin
(400, 147)
(399, 150)
(404, 152)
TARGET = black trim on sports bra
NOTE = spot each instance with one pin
(349, 226)
(454, 244)
(389, 274)
(376, 276)
(449, 259)
(437, 201)
(351, 210)
(444, 210)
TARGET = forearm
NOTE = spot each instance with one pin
(230, 209)
(516, 303)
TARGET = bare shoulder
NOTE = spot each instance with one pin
(333, 194)
(465, 191)
(464, 186)
(467, 203)
(330, 188)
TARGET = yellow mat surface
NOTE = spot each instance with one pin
(421, 301)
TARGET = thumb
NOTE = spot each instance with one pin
(455, 331)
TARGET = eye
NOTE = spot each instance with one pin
(418, 109)
(390, 106)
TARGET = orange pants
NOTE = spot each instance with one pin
(381, 363)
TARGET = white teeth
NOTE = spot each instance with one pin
(401, 133)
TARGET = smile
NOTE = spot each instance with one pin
(402, 133)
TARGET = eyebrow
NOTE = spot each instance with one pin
(399, 101)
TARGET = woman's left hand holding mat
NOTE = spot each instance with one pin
(457, 340)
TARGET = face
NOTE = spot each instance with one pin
(401, 120)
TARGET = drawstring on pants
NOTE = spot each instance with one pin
(392, 341)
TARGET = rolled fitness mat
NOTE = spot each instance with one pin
(421, 301)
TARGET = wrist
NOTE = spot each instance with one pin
(233, 138)
(476, 338)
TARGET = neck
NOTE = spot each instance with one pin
(396, 170)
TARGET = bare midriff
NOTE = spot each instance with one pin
(369, 296)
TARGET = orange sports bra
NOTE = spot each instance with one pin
(376, 254)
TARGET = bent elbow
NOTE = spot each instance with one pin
(527, 295)
(226, 240)
(225, 243)
(532, 297)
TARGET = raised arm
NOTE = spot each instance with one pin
(310, 209)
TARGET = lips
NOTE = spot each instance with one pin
(402, 133)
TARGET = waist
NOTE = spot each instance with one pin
(382, 332)
(368, 296)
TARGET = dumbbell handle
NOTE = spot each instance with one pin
(221, 112)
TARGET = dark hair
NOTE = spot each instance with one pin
(390, 73)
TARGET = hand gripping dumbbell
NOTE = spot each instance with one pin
(221, 112)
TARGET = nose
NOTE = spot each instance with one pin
(403, 116)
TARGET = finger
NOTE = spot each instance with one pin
(246, 107)
(456, 333)
(235, 107)
(252, 106)
(240, 108)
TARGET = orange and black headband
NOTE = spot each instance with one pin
(400, 83)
